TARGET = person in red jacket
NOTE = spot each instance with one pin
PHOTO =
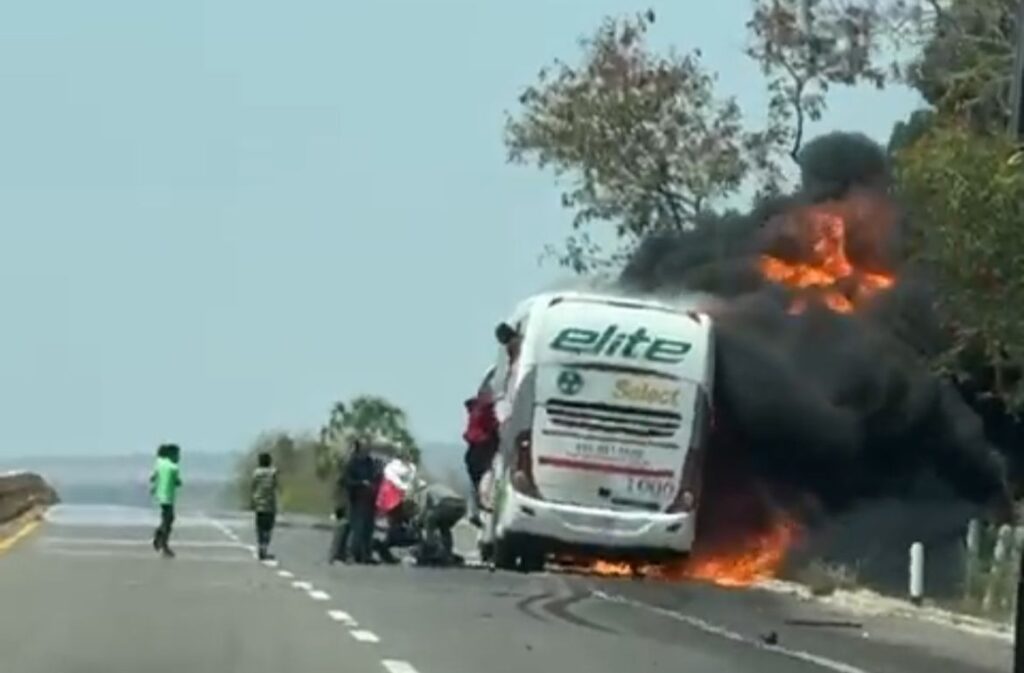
(481, 437)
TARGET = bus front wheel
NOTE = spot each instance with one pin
(504, 554)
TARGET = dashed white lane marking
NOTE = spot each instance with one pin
(222, 527)
(270, 563)
(397, 666)
(712, 629)
(319, 595)
(287, 574)
(342, 616)
(303, 586)
(365, 636)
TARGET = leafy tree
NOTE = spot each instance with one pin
(644, 139)
(963, 55)
(957, 53)
(967, 191)
(370, 419)
(804, 47)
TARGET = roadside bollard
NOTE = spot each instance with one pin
(1018, 626)
(998, 580)
(972, 567)
(916, 573)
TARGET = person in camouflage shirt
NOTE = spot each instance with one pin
(264, 502)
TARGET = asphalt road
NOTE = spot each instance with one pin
(86, 593)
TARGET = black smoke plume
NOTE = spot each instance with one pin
(822, 407)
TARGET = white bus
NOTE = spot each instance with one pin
(604, 411)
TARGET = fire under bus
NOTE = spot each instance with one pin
(604, 415)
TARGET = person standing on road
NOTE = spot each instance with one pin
(264, 502)
(361, 487)
(165, 482)
(342, 521)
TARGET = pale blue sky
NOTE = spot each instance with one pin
(219, 216)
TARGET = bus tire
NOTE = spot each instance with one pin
(533, 559)
(505, 554)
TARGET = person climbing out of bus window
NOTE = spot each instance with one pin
(481, 437)
(510, 339)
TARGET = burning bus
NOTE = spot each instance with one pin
(604, 405)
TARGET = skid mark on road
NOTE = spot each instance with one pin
(722, 632)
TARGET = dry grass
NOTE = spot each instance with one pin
(823, 578)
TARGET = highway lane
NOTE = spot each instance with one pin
(87, 594)
(468, 619)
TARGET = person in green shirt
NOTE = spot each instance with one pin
(164, 484)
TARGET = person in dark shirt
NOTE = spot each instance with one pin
(264, 503)
(361, 479)
(343, 524)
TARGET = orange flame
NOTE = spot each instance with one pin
(750, 562)
(827, 270)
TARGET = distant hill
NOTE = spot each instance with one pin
(124, 479)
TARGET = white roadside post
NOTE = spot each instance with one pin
(972, 568)
(916, 573)
(999, 577)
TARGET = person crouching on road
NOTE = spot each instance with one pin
(361, 487)
(440, 510)
(264, 502)
(164, 484)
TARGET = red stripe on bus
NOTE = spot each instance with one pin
(603, 467)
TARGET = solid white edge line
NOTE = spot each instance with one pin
(365, 636)
(59, 541)
(398, 666)
(317, 595)
(712, 629)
